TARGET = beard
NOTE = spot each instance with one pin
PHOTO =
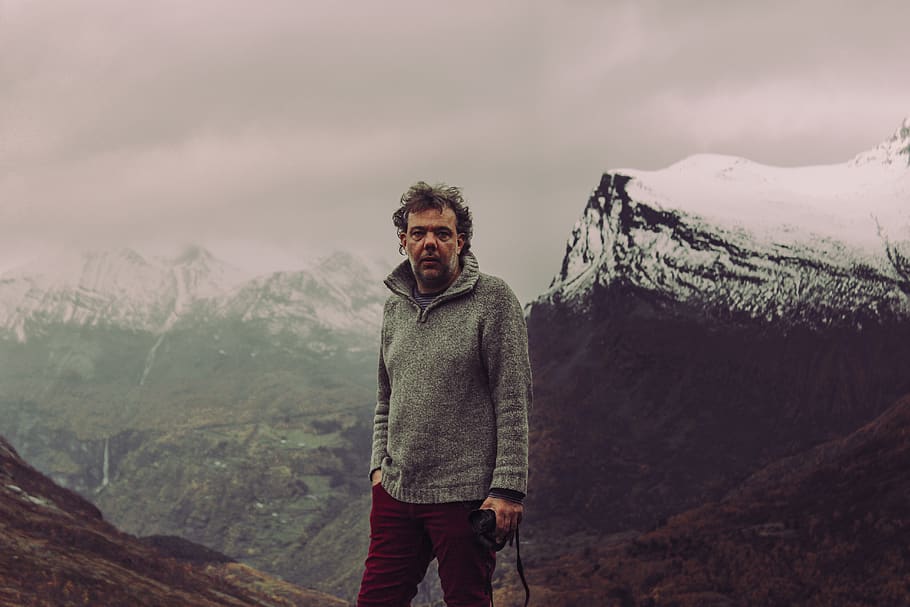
(434, 277)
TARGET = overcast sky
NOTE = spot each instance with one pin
(275, 131)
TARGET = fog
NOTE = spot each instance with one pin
(274, 133)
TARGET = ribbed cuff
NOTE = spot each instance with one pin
(507, 494)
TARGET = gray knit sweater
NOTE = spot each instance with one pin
(454, 390)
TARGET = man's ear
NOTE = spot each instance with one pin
(403, 239)
(459, 241)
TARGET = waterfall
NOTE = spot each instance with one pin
(150, 359)
(181, 301)
(105, 467)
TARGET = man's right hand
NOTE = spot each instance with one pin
(376, 477)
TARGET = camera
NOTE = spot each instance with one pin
(483, 522)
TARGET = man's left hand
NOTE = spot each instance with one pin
(508, 515)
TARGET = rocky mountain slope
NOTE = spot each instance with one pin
(827, 527)
(55, 549)
(711, 318)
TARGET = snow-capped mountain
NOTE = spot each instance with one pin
(124, 289)
(818, 245)
(711, 317)
(120, 288)
(339, 292)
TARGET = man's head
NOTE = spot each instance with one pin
(434, 228)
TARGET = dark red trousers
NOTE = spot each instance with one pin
(404, 538)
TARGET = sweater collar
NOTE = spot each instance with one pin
(402, 281)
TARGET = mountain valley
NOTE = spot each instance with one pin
(720, 395)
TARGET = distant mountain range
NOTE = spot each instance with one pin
(236, 409)
(123, 289)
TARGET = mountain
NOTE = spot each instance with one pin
(827, 527)
(809, 246)
(710, 318)
(339, 293)
(56, 549)
(123, 289)
(235, 409)
(119, 288)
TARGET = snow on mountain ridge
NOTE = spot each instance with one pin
(894, 151)
(819, 244)
(124, 289)
(846, 202)
(117, 286)
(340, 291)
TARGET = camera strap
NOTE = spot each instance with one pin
(521, 571)
(520, 567)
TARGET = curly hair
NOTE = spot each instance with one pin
(422, 196)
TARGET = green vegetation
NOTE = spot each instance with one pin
(225, 433)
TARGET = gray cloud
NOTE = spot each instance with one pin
(296, 125)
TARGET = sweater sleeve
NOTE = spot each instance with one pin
(381, 415)
(505, 352)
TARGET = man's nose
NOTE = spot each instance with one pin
(429, 241)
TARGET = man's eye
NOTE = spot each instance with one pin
(443, 236)
(417, 235)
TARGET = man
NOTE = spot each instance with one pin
(450, 432)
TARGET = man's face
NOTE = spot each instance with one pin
(433, 246)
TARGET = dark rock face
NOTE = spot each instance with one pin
(20, 479)
(827, 527)
(673, 355)
(55, 549)
(644, 408)
(185, 550)
(725, 274)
